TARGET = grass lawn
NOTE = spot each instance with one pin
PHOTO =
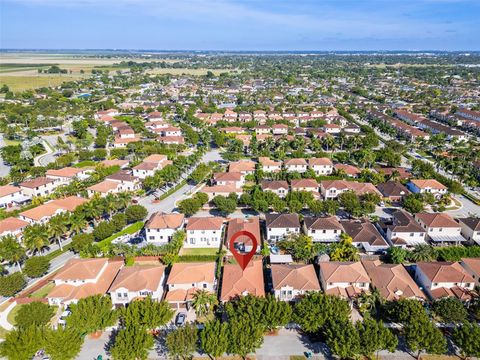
(199, 252)
(22, 83)
(43, 291)
(12, 313)
(11, 142)
(85, 163)
(131, 229)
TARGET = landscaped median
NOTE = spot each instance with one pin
(129, 230)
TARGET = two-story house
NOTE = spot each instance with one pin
(137, 282)
(12, 226)
(11, 195)
(427, 186)
(279, 187)
(185, 279)
(269, 165)
(441, 228)
(65, 175)
(308, 185)
(243, 166)
(235, 179)
(150, 164)
(291, 281)
(299, 165)
(43, 213)
(237, 282)
(80, 278)
(470, 229)
(444, 279)
(41, 186)
(323, 229)
(159, 229)
(365, 235)
(403, 230)
(331, 189)
(204, 232)
(345, 279)
(280, 226)
(321, 166)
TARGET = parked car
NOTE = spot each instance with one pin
(181, 318)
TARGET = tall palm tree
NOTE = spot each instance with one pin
(123, 199)
(92, 211)
(203, 302)
(11, 250)
(110, 204)
(35, 238)
(57, 227)
(77, 223)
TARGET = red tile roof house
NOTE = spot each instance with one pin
(427, 186)
(279, 187)
(185, 279)
(137, 282)
(80, 278)
(251, 225)
(115, 183)
(236, 179)
(349, 170)
(308, 185)
(171, 140)
(331, 189)
(204, 232)
(243, 166)
(403, 230)
(292, 281)
(344, 279)
(323, 229)
(262, 129)
(365, 235)
(12, 226)
(67, 174)
(223, 190)
(159, 229)
(280, 226)
(269, 165)
(441, 228)
(393, 191)
(41, 214)
(11, 195)
(237, 282)
(472, 266)
(444, 279)
(151, 164)
(280, 129)
(40, 186)
(298, 165)
(392, 281)
(321, 166)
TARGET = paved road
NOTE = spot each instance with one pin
(168, 205)
(46, 158)
(4, 168)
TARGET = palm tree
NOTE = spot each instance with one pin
(423, 253)
(123, 199)
(92, 211)
(203, 301)
(77, 223)
(110, 204)
(11, 250)
(35, 237)
(57, 227)
(328, 141)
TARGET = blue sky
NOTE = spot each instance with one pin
(241, 24)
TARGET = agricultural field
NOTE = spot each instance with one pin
(185, 71)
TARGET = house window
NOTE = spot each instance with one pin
(204, 286)
(324, 231)
(435, 284)
(193, 285)
(412, 234)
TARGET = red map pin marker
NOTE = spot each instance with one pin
(243, 259)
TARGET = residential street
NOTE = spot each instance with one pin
(4, 168)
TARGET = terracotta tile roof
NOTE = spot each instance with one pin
(189, 273)
(348, 292)
(81, 269)
(473, 264)
(165, 221)
(445, 272)
(300, 277)
(343, 272)
(8, 190)
(11, 224)
(180, 295)
(171, 139)
(52, 207)
(304, 183)
(68, 172)
(251, 224)
(456, 291)
(348, 169)
(357, 187)
(322, 223)
(472, 223)
(282, 220)
(122, 175)
(205, 223)
(292, 162)
(104, 186)
(319, 161)
(236, 282)
(437, 220)
(274, 184)
(228, 176)
(428, 183)
(71, 292)
(226, 189)
(33, 183)
(265, 161)
(404, 222)
(136, 278)
(392, 281)
(363, 231)
(241, 165)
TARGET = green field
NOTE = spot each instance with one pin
(22, 83)
(199, 252)
(43, 291)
